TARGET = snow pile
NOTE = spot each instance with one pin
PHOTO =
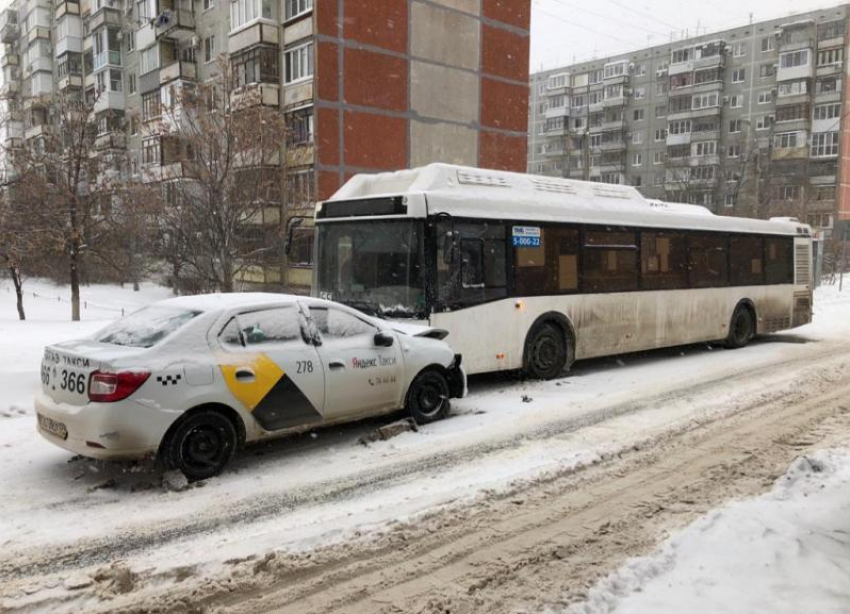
(785, 552)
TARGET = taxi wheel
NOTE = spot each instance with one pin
(201, 446)
(428, 397)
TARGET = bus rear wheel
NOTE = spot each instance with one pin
(741, 329)
(545, 352)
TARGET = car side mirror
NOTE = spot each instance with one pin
(383, 340)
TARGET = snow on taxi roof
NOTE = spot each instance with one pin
(480, 193)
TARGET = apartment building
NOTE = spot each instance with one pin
(749, 121)
(364, 85)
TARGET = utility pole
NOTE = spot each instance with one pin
(585, 146)
(843, 255)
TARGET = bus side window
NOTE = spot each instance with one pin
(708, 260)
(609, 261)
(747, 256)
(664, 261)
(472, 263)
(779, 265)
(551, 268)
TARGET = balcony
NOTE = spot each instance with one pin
(710, 62)
(614, 126)
(796, 72)
(109, 100)
(177, 23)
(796, 45)
(110, 140)
(681, 67)
(614, 102)
(104, 58)
(255, 35)
(9, 89)
(558, 112)
(38, 33)
(10, 59)
(106, 16)
(679, 139)
(185, 71)
(612, 146)
(256, 94)
(9, 30)
(35, 131)
(828, 71)
(66, 8)
(70, 82)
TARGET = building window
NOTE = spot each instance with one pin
(615, 70)
(736, 101)
(787, 140)
(639, 115)
(660, 111)
(792, 88)
(733, 151)
(596, 76)
(703, 173)
(131, 83)
(299, 63)
(640, 71)
(705, 148)
(661, 88)
(151, 107)
(660, 135)
(151, 152)
(831, 29)
(793, 59)
(766, 71)
(680, 56)
(767, 44)
(765, 97)
(730, 200)
(613, 91)
(739, 50)
(116, 81)
(828, 111)
(300, 127)
(704, 101)
(829, 57)
(788, 192)
(640, 93)
(763, 123)
(827, 85)
(658, 157)
(680, 127)
(243, 12)
(149, 60)
(637, 159)
(257, 65)
(824, 144)
(680, 104)
(131, 40)
(208, 4)
(209, 48)
(739, 75)
(792, 112)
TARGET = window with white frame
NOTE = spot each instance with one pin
(207, 4)
(736, 101)
(299, 63)
(660, 135)
(558, 102)
(243, 12)
(637, 159)
(739, 75)
(209, 48)
(640, 93)
(787, 140)
(730, 200)
(658, 157)
(661, 111)
(788, 192)
(639, 115)
(830, 57)
(824, 144)
(763, 123)
(296, 8)
(739, 50)
(615, 70)
(681, 56)
(596, 76)
(680, 127)
(733, 151)
(793, 59)
(705, 101)
(613, 91)
(792, 88)
(557, 81)
(828, 111)
(660, 88)
(637, 138)
(149, 59)
(767, 44)
(704, 148)
(596, 140)
(640, 70)
(703, 173)
(578, 101)
(766, 71)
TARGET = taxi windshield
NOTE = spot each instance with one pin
(146, 327)
(376, 266)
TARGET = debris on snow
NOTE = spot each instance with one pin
(174, 481)
(389, 431)
(526, 399)
(78, 581)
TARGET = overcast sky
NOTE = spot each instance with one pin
(564, 31)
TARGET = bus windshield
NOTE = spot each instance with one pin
(376, 266)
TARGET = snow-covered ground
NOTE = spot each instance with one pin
(785, 552)
(299, 493)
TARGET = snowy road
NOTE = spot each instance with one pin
(521, 487)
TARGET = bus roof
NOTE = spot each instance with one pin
(488, 194)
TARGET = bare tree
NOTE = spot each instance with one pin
(221, 176)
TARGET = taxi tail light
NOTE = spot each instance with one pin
(108, 387)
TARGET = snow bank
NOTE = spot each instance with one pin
(785, 552)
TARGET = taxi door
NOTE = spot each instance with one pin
(360, 376)
(271, 366)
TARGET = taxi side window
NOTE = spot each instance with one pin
(335, 324)
(267, 327)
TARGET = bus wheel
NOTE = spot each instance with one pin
(742, 328)
(545, 352)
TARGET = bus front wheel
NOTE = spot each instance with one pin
(545, 352)
(742, 328)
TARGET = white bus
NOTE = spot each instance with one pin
(533, 273)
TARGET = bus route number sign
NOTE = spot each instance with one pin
(526, 236)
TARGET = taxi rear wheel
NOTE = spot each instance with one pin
(428, 397)
(201, 445)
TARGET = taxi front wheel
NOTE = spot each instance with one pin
(200, 446)
(428, 397)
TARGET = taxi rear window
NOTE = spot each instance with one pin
(146, 327)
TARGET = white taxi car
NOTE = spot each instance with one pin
(190, 379)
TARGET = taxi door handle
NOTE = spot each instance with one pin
(244, 375)
(336, 364)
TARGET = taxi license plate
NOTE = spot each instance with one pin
(53, 427)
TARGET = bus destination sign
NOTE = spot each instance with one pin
(526, 236)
